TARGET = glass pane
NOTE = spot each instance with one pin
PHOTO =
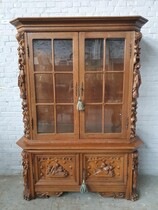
(94, 54)
(113, 87)
(115, 54)
(93, 87)
(65, 119)
(93, 119)
(45, 119)
(63, 56)
(44, 88)
(64, 88)
(42, 55)
(113, 115)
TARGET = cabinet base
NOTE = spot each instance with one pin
(49, 172)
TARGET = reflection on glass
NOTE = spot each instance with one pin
(113, 87)
(42, 55)
(65, 119)
(63, 57)
(94, 54)
(43, 88)
(93, 88)
(93, 119)
(113, 119)
(115, 54)
(45, 119)
(64, 88)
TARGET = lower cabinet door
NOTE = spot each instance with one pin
(56, 172)
(103, 170)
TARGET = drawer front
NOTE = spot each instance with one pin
(57, 169)
(105, 169)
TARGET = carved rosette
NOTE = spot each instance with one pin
(21, 83)
(134, 195)
(136, 83)
(25, 164)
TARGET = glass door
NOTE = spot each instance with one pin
(104, 84)
(54, 75)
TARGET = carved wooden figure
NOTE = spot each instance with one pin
(79, 79)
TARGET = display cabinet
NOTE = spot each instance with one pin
(79, 80)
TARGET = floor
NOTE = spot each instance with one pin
(11, 188)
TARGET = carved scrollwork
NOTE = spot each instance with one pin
(21, 83)
(134, 195)
(113, 194)
(42, 195)
(136, 83)
(48, 194)
(25, 164)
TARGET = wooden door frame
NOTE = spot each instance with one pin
(54, 35)
(126, 82)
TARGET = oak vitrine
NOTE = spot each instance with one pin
(79, 80)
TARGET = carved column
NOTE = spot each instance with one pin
(21, 83)
(26, 175)
(136, 83)
(134, 195)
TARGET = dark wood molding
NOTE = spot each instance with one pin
(25, 144)
(112, 23)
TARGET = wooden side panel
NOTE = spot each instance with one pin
(56, 169)
(102, 169)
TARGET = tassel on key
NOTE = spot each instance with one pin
(80, 105)
(83, 188)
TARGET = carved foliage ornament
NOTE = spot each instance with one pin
(21, 83)
(136, 83)
(134, 195)
(25, 164)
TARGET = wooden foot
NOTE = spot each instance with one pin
(27, 196)
(134, 196)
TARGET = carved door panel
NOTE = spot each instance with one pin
(53, 70)
(101, 169)
(104, 69)
(56, 169)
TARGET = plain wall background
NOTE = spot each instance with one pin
(11, 126)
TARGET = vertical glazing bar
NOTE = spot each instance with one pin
(104, 70)
(55, 121)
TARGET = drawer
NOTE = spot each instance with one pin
(105, 169)
(56, 169)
